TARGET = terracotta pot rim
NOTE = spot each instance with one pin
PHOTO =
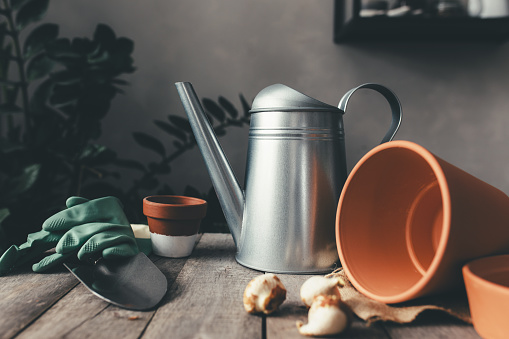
(174, 207)
(419, 287)
(486, 297)
(476, 270)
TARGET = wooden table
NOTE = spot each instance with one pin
(204, 300)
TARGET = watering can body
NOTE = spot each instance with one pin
(283, 220)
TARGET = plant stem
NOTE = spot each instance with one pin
(188, 145)
(21, 70)
(166, 160)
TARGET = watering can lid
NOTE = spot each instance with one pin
(280, 97)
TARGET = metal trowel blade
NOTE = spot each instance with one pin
(133, 283)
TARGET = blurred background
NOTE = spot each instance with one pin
(454, 95)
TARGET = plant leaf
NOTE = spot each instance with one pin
(104, 56)
(4, 213)
(63, 95)
(245, 106)
(38, 38)
(104, 35)
(11, 94)
(95, 154)
(83, 45)
(31, 12)
(220, 131)
(171, 130)
(39, 67)
(214, 109)
(23, 182)
(16, 4)
(132, 164)
(10, 109)
(40, 96)
(124, 45)
(7, 146)
(237, 123)
(180, 122)
(148, 141)
(228, 106)
(65, 77)
(5, 58)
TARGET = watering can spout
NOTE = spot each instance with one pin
(225, 183)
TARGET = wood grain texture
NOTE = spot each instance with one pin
(25, 295)
(282, 324)
(206, 299)
(80, 314)
(432, 325)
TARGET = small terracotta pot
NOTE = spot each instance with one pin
(174, 222)
(407, 221)
(487, 283)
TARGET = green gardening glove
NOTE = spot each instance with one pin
(37, 243)
(91, 229)
(86, 229)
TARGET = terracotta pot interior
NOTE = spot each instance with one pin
(391, 221)
(174, 200)
(493, 269)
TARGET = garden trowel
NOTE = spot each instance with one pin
(134, 283)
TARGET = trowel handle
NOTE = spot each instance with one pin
(389, 96)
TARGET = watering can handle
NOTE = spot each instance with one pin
(389, 96)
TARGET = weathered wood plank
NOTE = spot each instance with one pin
(431, 325)
(282, 324)
(25, 295)
(71, 311)
(206, 299)
(80, 314)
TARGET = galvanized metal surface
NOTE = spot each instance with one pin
(296, 167)
(133, 283)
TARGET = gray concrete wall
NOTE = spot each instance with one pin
(455, 95)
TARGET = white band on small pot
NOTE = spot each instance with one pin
(172, 246)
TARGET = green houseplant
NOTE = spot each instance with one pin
(54, 92)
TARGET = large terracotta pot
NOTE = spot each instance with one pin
(407, 221)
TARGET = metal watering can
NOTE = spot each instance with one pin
(283, 221)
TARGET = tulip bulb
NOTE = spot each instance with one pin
(264, 294)
(320, 285)
(325, 317)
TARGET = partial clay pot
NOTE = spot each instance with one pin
(174, 222)
(407, 221)
(487, 283)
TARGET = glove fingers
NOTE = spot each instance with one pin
(41, 241)
(107, 209)
(50, 261)
(106, 240)
(36, 244)
(79, 235)
(120, 251)
(75, 201)
(9, 259)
